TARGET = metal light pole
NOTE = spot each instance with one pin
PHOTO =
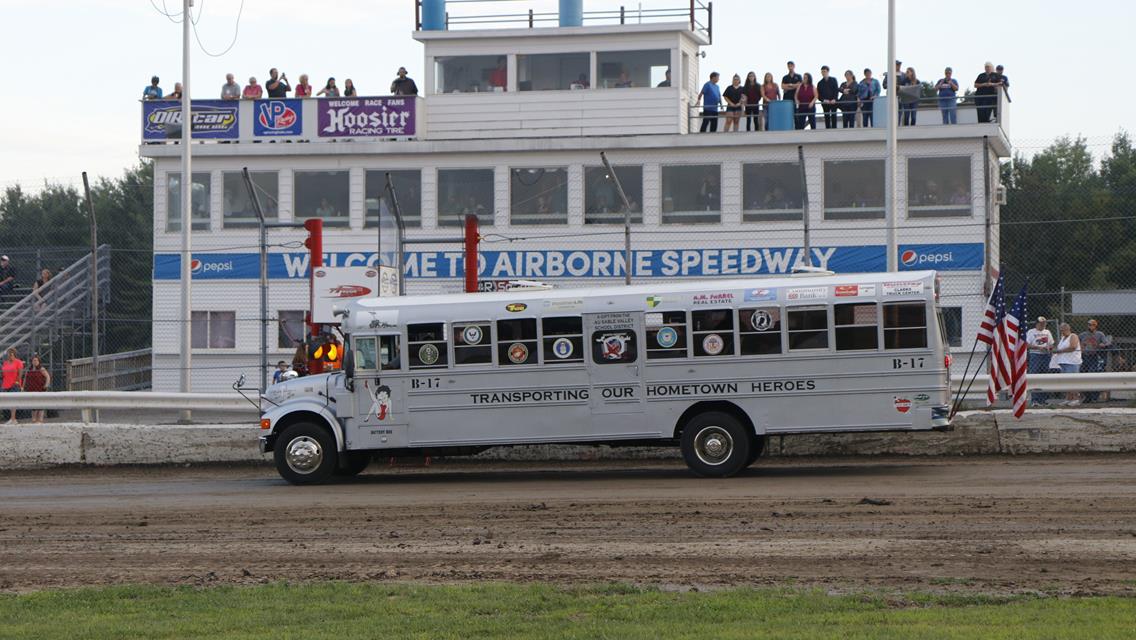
(892, 203)
(186, 209)
(626, 219)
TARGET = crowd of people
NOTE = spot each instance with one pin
(750, 100)
(278, 86)
(1069, 352)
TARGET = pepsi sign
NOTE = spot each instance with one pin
(941, 257)
(275, 117)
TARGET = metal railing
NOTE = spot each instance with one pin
(124, 371)
(927, 111)
(699, 14)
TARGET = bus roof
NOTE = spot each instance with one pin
(360, 318)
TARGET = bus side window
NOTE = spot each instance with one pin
(563, 339)
(516, 342)
(472, 343)
(857, 326)
(389, 356)
(761, 330)
(713, 332)
(666, 334)
(365, 356)
(905, 325)
(426, 344)
(808, 328)
(614, 347)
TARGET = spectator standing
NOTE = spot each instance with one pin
(348, 88)
(910, 90)
(734, 98)
(1005, 80)
(849, 99)
(947, 89)
(36, 380)
(152, 91)
(1094, 351)
(1067, 358)
(710, 98)
(230, 90)
(403, 85)
(790, 82)
(253, 91)
(1040, 342)
(329, 89)
(770, 92)
(175, 94)
(666, 81)
(499, 77)
(986, 92)
(277, 84)
(806, 95)
(303, 89)
(11, 377)
(277, 375)
(869, 91)
(752, 93)
(7, 276)
(39, 289)
(827, 92)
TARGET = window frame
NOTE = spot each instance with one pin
(443, 350)
(203, 223)
(771, 215)
(335, 222)
(208, 314)
(839, 214)
(614, 217)
(269, 205)
(553, 218)
(548, 340)
(281, 321)
(900, 328)
(487, 342)
(680, 216)
(484, 219)
(684, 337)
(746, 329)
(522, 58)
(827, 332)
(699, 335)
(876, 326)
(411, 221)
(634, 348)
(918, 212)
(501, 347)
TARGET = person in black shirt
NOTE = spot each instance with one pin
(666, 81)
(849, 99)
(1005, 82)
(403, 85)
(7, 276)
(790, 82)
(827, 91)
(277, 84)
(734, 99)
(986, 94)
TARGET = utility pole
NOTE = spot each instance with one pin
(805, 206)
(186, 210)
(94, 288)
(892, 219)
(626, 219)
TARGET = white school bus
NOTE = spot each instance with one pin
(713, 367)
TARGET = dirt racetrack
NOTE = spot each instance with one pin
(993, 524)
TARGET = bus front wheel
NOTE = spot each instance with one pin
(716, 444)
(305, 454)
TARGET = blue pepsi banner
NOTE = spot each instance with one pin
(544, 264)
(277, 117)
(212, 119)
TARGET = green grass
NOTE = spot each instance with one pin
(342, 611)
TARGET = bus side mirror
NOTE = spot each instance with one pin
(349, 364)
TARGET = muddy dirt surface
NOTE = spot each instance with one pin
(1064, 524)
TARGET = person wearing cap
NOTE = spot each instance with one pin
(7, 276)
(790, 82)
(403, 85)
(1040, 342)
(152, 91)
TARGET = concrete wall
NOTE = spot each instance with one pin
(975, 433)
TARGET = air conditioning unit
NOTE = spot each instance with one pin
(1000, 195)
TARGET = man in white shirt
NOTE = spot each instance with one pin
(1040, 342)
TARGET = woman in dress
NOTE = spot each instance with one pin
(38, 378)
(752, 92)
(734, 99)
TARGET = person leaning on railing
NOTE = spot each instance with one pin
(910, 90)
(710, 97)
(827, 93)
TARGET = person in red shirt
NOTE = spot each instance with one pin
(38, 378)
(12, 374)
(253, 91)
(499, 77)
(303, 89)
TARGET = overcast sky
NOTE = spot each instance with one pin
(76, 68)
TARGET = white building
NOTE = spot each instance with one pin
(525, 158)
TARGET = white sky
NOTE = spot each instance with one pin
(76, 68)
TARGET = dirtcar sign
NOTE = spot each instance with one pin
(332, 287)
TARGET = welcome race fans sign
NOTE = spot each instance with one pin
(359, 117)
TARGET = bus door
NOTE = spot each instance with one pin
(614, 344)
(380, 414)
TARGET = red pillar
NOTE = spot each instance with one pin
(472, 238)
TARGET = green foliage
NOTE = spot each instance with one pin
(343, 611)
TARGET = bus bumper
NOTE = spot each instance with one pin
(940, 418)
(266, 442)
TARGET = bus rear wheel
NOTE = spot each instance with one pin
(305, 454)
(716, 445)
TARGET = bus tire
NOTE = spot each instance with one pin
(716, 444)
(354, 463)
(305, 454)
(756, 447)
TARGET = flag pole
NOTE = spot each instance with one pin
(966, 369)
(964, 392)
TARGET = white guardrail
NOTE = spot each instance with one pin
(162, 401)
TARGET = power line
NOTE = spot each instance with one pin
(236, 32)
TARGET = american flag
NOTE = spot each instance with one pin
(1009, 353)
(995, 311)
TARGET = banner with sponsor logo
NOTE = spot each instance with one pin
(212, 119)
(941, 257)
(359, 117)
(277, 117)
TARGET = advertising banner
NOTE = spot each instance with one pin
(333, 287)
(941, 257)
(362, 117)
(277, 117)
(212, 119)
